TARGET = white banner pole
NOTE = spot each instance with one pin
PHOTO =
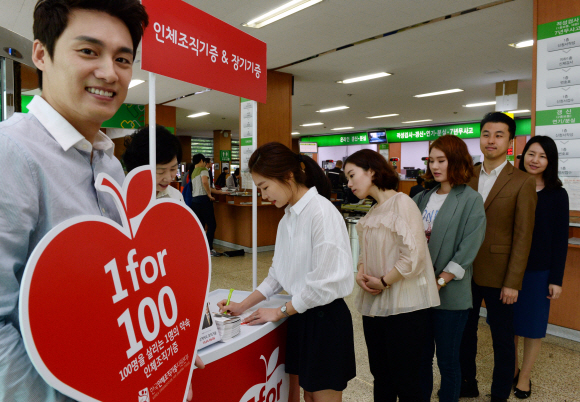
(255, 204)
(152, 140)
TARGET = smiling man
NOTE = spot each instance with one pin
(510, 199)
(50, 158)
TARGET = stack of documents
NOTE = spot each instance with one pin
(228, 326)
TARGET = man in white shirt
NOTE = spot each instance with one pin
(50, 158)
(510, 199)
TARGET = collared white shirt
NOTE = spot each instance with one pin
(486, 181)
(170, 192)
(47, 175)
(312, 257)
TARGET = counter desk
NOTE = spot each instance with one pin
(250, 367)
(406, 184)
(565, 311)
(233, 214)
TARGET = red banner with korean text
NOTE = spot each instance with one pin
(188, 44)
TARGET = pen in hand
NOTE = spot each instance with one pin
(228, 302)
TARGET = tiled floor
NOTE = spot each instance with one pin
(556, 376)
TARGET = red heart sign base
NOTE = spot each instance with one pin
(111, 312)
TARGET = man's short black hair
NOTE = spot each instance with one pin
(206, 160)
(51, 19)
(420, 180)
(137, 144)
(197, 158)
(225, 168)
(499, 117)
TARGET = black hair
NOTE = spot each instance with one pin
(206, 160)
(196, 159)
(51, 19)
(499, 117)
(420, 180)
(276, 161)
(237, 172)
(225, 168)
(550, 175)
(137, 148)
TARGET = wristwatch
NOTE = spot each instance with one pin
(385, 284)
(284, 310)
(441, 282)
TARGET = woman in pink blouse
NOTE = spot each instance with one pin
(396, 278)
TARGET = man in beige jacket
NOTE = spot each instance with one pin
(510, 199)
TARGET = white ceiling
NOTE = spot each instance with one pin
(458, 52)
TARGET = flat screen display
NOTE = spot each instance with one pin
(309, 147)
(377, 136)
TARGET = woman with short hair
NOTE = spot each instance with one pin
(395, 275)
(454, 221)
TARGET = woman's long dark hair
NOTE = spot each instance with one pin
(276, 161)
(550, 175)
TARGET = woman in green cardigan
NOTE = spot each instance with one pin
(454, 222)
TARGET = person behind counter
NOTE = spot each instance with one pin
(313, 263)
(202, 200)
(51, 156)
(233, 181)
(545, 270)
(454, 223)
(418, 188)
(509, 198)
(396, 278)
(168, 157)
(221, 180)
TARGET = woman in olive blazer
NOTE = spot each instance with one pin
(454, 220)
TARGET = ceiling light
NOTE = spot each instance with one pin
(134, 83)
(364, 78)
(416, 121)
(281, 12)
(342, 128)
(381, 116)
(519, 111)
(295, 133)
(192, 116)
(480, 104)
(332, 109)
(311, 124)
(449, 91)
(519, 45)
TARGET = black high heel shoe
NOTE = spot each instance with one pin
(518, 393)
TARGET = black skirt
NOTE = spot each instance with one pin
(320, 347)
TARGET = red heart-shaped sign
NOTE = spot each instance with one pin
(112, 313)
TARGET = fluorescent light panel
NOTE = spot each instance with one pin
(192, 116)
(281, 12)
(448, 91)
(519, 111)
(381, 116)
(294, 132)
(311, 124)
(480, 104)
(519, 45)
(416, 121)
(332, 109)
(341, 128)
(364, 78)
(134, 83)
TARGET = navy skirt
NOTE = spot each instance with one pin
(320, 347)
(532, 309)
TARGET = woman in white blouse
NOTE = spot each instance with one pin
(396, 278)
(313, 263)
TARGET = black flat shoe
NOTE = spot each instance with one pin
(469, 389)
(518, 393)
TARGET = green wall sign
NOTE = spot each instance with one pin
(128, 116)
(225, 156)
(558, 28)
(464, 131)
(338, 139)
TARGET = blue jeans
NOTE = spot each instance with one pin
(445, 333)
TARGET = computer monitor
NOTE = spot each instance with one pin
(377, 137)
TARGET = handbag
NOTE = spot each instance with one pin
(187, 194)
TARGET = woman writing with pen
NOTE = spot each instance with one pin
(312, 262)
